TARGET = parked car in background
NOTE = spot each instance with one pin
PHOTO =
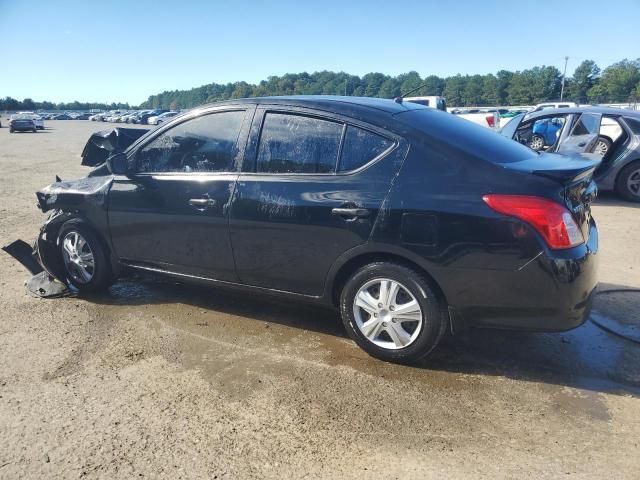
(144, 118)
(406, 218)
(549, 105)
(62, 116)
(610, 134)
(159, 119)
(433, 101)
(22, 123)
(484, 118)
(82, 116)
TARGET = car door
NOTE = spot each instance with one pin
(172, 212)
(310, 190)
(579, 135)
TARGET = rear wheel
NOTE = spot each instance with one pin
(84, 257)
(628, 182)
(393, 312)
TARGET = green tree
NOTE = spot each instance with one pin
(390, 88)
(584, 77)
(619, 80)
(454, 90)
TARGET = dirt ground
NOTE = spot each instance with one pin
(161, 380)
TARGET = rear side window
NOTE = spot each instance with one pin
(634, 124)
(298, 144)
(360, 147)
(588, 124)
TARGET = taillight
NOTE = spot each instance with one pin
(550, 219)
(491, 121)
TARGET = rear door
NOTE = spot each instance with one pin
(310, 190)
(580, 136)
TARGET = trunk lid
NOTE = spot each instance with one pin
(574, 174)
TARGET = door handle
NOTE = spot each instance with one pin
(202, 202)
(351, 213)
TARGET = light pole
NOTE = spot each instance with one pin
(564, 75)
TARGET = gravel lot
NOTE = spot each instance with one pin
(162, 380)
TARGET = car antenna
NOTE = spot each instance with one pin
(399, 99)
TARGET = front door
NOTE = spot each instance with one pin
(310, 190)
(172, 213)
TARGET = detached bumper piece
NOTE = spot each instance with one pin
(44, 285)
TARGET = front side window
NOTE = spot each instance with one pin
(298, 144)
(204, 144)
(360, 147)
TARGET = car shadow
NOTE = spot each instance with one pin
(611, 199)
(587, 357)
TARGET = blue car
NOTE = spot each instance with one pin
(545, 133)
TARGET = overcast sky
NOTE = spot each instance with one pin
(127, 50)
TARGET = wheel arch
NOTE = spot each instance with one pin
(359, 257)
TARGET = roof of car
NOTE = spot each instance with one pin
(601, 110)
(334, 103)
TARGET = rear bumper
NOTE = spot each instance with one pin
(553, 292)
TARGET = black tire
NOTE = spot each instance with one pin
(102, 275)
(35, 130)
(432, 305)
(631, 171)
(11, 130)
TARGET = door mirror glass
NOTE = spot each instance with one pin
(118, 164)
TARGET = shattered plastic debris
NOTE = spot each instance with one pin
(45, 286)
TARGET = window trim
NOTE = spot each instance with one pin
(179, 120)
(257, 126)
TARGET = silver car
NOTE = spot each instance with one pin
(613, 134)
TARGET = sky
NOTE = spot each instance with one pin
(124, 51)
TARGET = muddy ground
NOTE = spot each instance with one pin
(157, 379)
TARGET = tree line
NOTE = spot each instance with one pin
(617, 83)
(29, 105)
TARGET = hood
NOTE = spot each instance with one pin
(74, 194)
(105, 143)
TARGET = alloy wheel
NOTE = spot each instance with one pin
(537, 143)
(387, 314)
(601, 148)
(78, 257)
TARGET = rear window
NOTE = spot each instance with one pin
(360, 147)
(634, 124)
(298, 144)
(466, 136)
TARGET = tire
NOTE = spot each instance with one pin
(628, 182)
(11, 130)
(35, 130)
(536, 143)
(100, 274)
(602, 146)
(419, 337)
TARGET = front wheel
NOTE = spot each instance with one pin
(393, 312)
(536, 143)
(84, 257)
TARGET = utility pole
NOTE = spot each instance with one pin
(564, 75)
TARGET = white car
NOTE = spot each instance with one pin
(544, 106)
(161, 118)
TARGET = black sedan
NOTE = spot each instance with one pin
(410, 221)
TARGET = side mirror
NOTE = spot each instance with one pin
(118, 164)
